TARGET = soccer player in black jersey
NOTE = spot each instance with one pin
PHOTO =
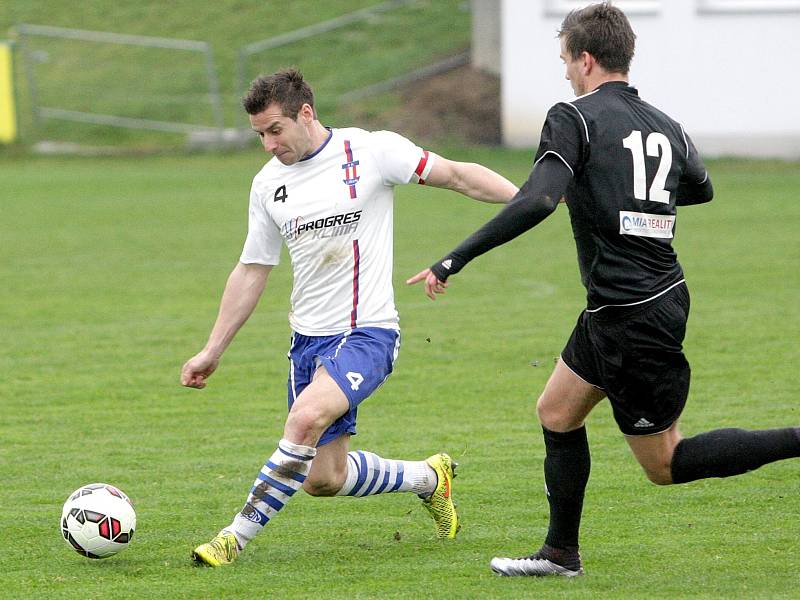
(622, 167)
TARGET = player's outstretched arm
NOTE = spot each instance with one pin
(538, 198)
(471, 179)
(245, 286)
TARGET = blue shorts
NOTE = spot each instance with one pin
(358, 360)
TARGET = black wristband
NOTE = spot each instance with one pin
(446, 267)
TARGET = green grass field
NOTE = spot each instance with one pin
(111, 272)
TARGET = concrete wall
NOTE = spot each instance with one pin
(723, 68)
(486, 35)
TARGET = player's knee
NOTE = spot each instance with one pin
(543, 411)
(321, 487)
(553, 416)
(659, 474)
(306, 423)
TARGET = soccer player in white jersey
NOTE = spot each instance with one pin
(327, 194)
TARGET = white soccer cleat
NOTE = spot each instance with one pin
(531, 566)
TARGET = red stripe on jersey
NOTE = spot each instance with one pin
(350, 175)
(356, 261)
(421, 167)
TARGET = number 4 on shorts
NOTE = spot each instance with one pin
(355, 379)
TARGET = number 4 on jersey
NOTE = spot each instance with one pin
(280, 194)
(657, 144)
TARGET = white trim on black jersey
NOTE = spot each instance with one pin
(685, 141)
(661, 293)
(559, 156)
(585, 126)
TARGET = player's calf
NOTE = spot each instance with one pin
(727, 452)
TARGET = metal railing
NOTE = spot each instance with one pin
(217, 128)
(26, 31)
(245, 52)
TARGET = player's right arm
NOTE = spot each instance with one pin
(244, 288)
(471, 179)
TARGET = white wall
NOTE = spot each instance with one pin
(486, 35)
(729, 77)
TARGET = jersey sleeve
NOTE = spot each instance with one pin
(263, 243)
(400, 160)
(564, 136)
(695, 169)
(694, 186)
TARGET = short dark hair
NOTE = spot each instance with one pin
(603, 31)
(286, 88)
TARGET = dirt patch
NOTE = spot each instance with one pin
(460, 105)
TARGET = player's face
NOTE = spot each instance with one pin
(574, 72)
(289, 140)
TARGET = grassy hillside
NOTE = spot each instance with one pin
(171, 85)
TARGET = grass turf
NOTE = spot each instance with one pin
(111, 273)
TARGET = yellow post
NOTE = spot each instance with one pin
(8, 115)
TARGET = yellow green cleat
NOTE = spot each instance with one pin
(221, 551)
(440, 503)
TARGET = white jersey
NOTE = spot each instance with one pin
(333, 210)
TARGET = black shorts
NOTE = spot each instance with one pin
(635, 355)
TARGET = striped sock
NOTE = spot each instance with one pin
(369, 474)
(282, 475)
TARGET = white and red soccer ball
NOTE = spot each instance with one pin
(98, 520)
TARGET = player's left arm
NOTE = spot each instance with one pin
(694, 186)
(694, 192)
(471, 179)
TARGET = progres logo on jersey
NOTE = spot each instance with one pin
(328, 227)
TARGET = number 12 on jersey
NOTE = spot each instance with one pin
(657, 145)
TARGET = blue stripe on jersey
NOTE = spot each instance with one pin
(318, 150)
(377, 471)
(362, 473)
(399, 481)
(298, 477)
(281, 487)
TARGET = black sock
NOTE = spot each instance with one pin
(570, 559)
(726, 452)
(566, 472)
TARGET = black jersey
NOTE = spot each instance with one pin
(628, 160)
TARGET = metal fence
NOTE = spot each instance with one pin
(245, 52)
(39, 111)
(93, 102)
